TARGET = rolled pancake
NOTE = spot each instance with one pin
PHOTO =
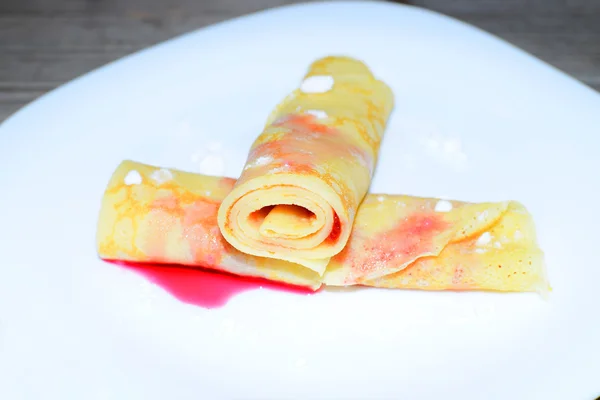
(432, 244)
(308, 171)
(165, 216)
(157, 215)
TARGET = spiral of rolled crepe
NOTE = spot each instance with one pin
(308, 171)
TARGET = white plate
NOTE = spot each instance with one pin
(476, 119)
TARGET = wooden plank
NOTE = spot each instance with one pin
(240, 7)
(158, 8)
(571, 44)
(44, 43)
(499, 7)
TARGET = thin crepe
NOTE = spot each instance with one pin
(403, 242)
(157, 215)
(308, 171)
(431, 244)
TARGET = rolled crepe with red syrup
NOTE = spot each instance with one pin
(157, 215)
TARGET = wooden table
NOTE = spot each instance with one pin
(44, 43)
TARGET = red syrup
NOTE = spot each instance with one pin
(203, 287)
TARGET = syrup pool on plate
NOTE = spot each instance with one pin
(202, 287)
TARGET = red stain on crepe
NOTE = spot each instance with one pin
(227, 183)
(458, 275)
(307, 143)
(202, 232)
(203, 287)
(411, 237)
(198, 218)
(305, 123)
(169, 204)
(336, 229)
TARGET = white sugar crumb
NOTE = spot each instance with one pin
(161, 176)
(283, 168)
(207, 193)
(482, 215)
(484, 239)
(262, 160)
(447, 150)
(212, 164)
(366, 161)
(518, 235)
(498, 245)
(317, 84)
(480, 251)
(422, 283)
(380, 199)
(319, 114)
(443, 206)
(133, 178)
